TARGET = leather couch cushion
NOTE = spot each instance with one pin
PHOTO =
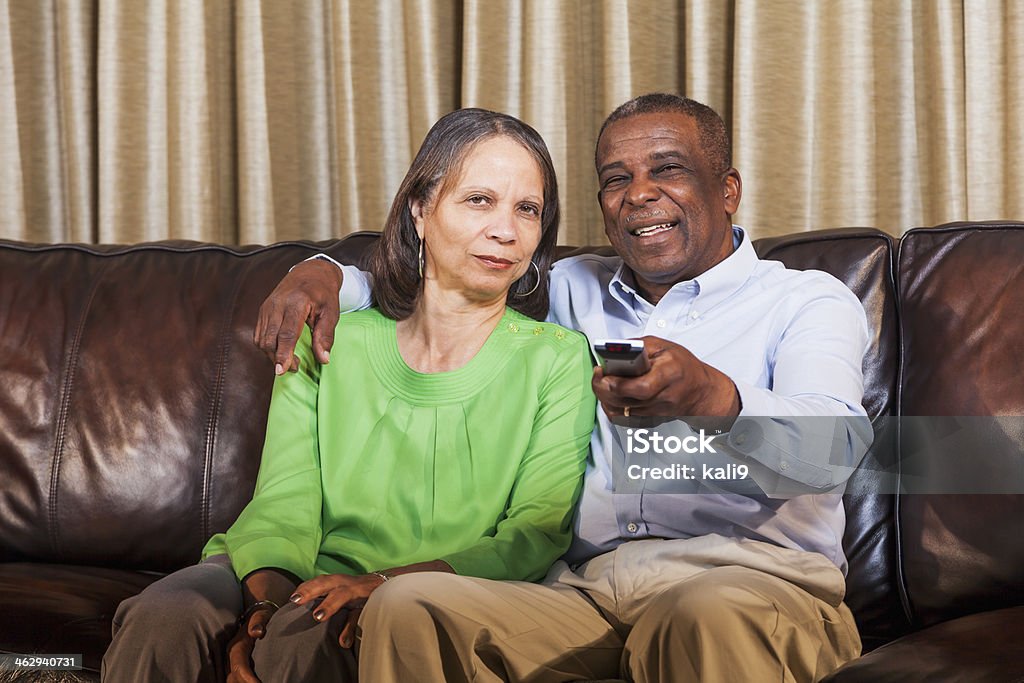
(976, 648)
(134, 402)
(62, 609)
(863, 260)
(962, 297)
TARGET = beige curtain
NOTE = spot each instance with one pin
(243, 121)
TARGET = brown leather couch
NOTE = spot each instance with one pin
(133, 406)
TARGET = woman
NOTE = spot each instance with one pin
(449, 433)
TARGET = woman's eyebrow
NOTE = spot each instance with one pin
(488, 190)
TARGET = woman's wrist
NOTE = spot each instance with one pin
(259, 605)
(268, 588)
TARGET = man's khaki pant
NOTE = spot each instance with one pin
(704, 609)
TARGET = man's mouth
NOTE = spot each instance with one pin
(652, 229)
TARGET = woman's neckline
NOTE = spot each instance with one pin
(437, 345)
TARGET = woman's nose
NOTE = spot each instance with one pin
(503, 227)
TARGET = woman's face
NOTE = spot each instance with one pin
(480, 233)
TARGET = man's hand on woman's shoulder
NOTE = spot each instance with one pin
(307, 295)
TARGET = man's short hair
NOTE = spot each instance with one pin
(714, 138)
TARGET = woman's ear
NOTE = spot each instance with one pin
(416, 209)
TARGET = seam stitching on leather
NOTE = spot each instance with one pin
(214, 415)
(65, 399)
(187, 247)
(901, 577)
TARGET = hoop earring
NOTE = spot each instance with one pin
(421, 260)
(535, 284)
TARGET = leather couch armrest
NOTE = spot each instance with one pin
(980, 647)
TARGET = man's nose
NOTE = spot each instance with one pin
(641, 191)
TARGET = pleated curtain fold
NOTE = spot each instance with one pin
(253, 121)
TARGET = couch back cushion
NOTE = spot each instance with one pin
(863, 260)
(134, 402)
(961, 300)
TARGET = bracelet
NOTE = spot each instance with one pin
(255, 607)
(384, 578)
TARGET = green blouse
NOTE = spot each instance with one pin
(369, 464)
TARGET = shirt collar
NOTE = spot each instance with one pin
(713, 285)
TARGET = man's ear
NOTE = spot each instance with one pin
(416, 209)
(732, 190)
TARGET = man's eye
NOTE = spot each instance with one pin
(614, 181)
(668, 168)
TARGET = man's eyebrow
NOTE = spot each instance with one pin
(662, 155)
(606, 167)
(668, 154)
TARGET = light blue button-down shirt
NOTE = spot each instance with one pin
(792, 342)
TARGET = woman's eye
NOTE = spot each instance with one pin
(531, 209)
(477, 200)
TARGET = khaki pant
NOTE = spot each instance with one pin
(704, 609)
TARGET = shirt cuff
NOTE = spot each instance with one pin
(264, 553)
(355, 292)
(318, 257)
(798, 448)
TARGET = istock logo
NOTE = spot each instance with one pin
(644, 440)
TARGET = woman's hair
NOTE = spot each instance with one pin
(395, 262)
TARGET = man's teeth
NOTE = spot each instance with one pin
(640, 232)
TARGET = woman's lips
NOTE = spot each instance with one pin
(495, 262)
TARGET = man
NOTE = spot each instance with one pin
(709, 578)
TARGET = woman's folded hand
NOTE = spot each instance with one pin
(241, 646)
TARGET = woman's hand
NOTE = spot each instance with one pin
(241, 646)
(339, 591)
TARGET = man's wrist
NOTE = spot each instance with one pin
(333, 271)
(719, 401)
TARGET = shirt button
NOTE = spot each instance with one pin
(783, 465)
(661, 323)
(694, 315)
(632, 527)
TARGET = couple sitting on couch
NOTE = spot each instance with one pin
(411, 488)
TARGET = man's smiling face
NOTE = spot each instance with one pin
(666, 209)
